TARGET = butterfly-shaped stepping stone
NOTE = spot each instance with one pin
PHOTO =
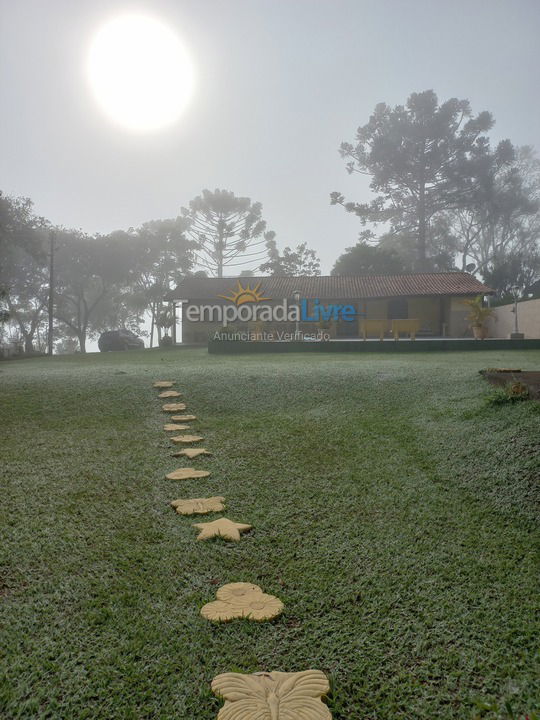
(276, 695)
(174, 426)
(223, 527)
(191, 452)
(163, 384)
(199, 506)
(183, 418)
(173, 407)
(169, 394)
(242, 600)
(186, 438)
(187, 474)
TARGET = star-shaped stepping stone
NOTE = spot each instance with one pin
(223, 527)
(242, 600)
(187, 474)
(199, 506)
(173, 407)
(186, 438)
(276, 695)
(183, 418)
(191, 453)
(170, 393)
(163, 384)
(174, 426)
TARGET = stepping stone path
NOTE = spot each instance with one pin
(187, 474)
(272, 695)
(242, 600)
(223, 527)
(275, 695)
(186, 439)
(191, 453)
(199, 506)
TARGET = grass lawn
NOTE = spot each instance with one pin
(394, 513)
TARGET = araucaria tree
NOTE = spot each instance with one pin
(422, 159)
(228, 231)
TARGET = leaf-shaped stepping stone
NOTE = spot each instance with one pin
(163, 384)
(174, 426)
(186, 438)
(223, 527)
(170, 393)
(187, 474)
(242, 600)
(275, 695)
(173, 407)
(191, 452)
(199, 506)
(183, 418)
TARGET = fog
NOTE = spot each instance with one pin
(279, 85)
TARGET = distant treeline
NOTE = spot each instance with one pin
(444, 199)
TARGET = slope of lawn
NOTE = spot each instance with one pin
(394, 513)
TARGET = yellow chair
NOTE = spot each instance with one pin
(410, 326)
(374, 327)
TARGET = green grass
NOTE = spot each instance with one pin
(393, 509)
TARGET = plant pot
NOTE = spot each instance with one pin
(166, 341)
(480, 332)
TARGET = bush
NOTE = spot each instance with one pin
(511, 393)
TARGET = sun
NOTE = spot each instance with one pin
(140, 73)
(241, 295)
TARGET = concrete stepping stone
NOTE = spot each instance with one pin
(169, 394)
(199, 506)
(191, 453)
(273, 695)
(187, 474)
(187, 438)
(173, 407)
(175, 426)
(183, 418)
(223, 527)
(163, 384)
(242, 600)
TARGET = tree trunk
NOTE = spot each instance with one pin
(219, 248)
(422, 229)
(153, 313)
(422, 213)
(82, 340)
(28, 343)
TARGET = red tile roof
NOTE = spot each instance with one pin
(335, 287)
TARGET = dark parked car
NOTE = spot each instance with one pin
(119, 340)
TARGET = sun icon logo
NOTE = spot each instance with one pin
(241, 295)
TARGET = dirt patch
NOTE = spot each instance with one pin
(10, 581)
(503, 377)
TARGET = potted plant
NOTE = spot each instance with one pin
(165, 321)
(478, 314)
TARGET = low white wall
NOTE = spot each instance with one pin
(502, 323)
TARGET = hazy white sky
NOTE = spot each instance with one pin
(280, 83)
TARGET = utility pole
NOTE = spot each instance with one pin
(52, 238)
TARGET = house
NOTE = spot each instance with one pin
(345, 307)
